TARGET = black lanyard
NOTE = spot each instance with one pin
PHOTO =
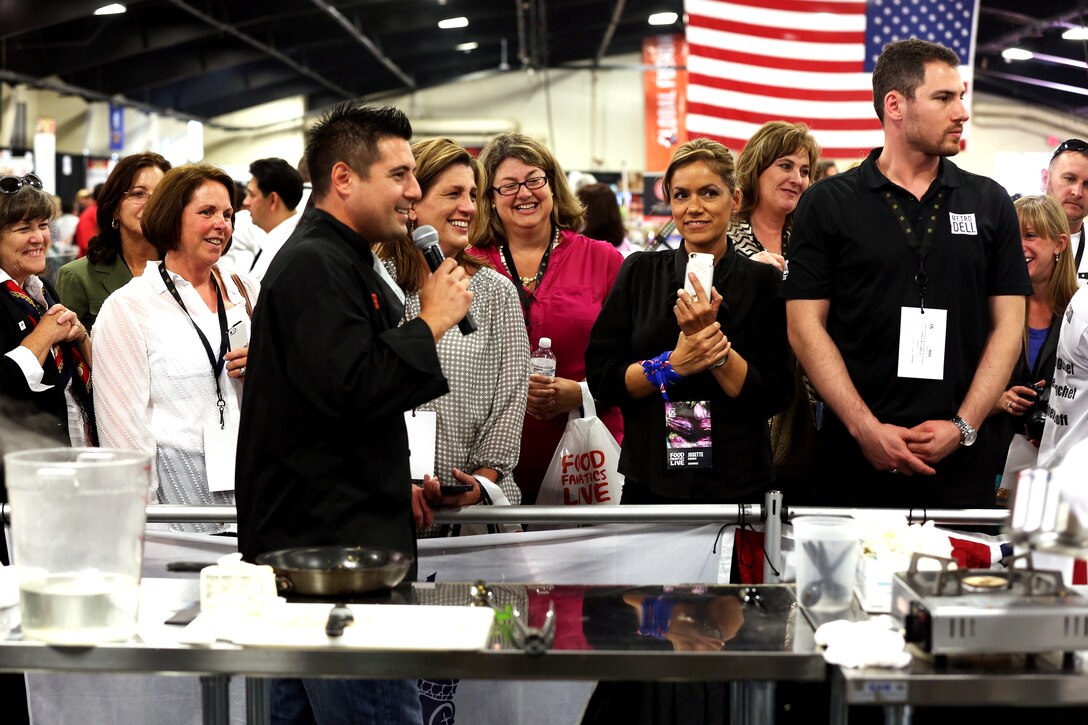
(921, 247)
(523, 294)
(217, 365)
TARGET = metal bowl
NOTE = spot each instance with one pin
(336, 570)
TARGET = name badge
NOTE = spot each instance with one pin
(963, 224)
(422, 434)
(688, 440)
(921, 343)
(220, 453)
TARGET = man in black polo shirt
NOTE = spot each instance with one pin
(905, 286)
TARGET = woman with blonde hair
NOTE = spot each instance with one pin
(773, 171)
(479, 420)
(528, 218)
(1044, 233)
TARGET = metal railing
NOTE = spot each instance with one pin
(576, 515)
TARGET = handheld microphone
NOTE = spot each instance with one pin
(426, 240)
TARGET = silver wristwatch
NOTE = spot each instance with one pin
(967, 433)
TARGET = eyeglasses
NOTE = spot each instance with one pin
(1073, 144)
(537, 182)
(12, 184)
(138, 195)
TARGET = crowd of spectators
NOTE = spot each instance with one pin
(898, 319)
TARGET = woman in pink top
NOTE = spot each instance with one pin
(526, 226)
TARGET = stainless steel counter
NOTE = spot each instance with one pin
(995, 681)
(754, 645)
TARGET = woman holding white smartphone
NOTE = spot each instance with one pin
(697, 371)
(168, 372)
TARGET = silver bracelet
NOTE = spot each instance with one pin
(721, 362)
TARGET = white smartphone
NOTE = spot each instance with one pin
(702, 265)
(238, 335)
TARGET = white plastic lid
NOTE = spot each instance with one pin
(545, 342)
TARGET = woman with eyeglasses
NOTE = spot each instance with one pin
(169, 379)
(528, 218)
(119, 252)
(47, 358)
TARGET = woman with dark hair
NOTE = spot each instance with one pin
(772, 173)
(479, 421)
(603, 220)
(47, 354)
(119, 252)
(696, 375)
(166, 383)
(528, 215)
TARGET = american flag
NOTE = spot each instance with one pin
(753, 61)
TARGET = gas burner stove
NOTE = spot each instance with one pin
(1018, 610)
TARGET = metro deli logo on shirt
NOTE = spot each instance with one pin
(963, 224)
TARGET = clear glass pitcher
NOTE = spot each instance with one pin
(77, 524)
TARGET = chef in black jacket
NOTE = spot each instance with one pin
(323, 450)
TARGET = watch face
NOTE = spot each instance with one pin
(967, 433)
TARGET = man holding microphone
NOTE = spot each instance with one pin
(323, 450)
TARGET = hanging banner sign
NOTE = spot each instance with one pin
(117, 127)
(665, 86)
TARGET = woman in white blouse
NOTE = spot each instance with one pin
(479, 421)
(166, 379)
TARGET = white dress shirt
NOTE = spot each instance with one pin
(1080, 257)
(245, 240)
(153, 386)
(271, 243)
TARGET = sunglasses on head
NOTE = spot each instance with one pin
(12, 184)
(1073, 144)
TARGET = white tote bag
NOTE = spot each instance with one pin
(584, 469)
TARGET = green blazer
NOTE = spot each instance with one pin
(83, 286)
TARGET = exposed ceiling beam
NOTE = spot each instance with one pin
(268, 50)
(1030, 29)
(366, 42)
(609, 31)
(135, 40)
(1050, 85)
(26, 16)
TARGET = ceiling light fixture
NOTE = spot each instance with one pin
(466, 47)
(448, 23)
(1017, 54)
(1078, 33)
(663, 18)
(112, 9)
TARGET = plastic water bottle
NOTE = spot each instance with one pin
(542, 361)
